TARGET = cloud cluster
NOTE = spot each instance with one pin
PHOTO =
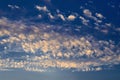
(45, 47)
(87, 18)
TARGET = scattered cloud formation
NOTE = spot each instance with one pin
(96, 18)
(41, 48)
(84, 21)
(87, 18)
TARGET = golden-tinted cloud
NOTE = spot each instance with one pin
(55, 49)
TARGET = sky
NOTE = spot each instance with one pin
(59, 40)
(21, 75)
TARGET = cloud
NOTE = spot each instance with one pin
(87, 12)
(40, 16)
(51, 16)
(90, 15)
(43, 8)
(84, 21)
(117, 29)
(71, 17)
(99, 15)
(62, 17)
(44, 47)
(13, 6)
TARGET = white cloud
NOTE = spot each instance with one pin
(87, 12)
(71, 17)
(108, 24)
(117, 29)
(39, 16)
(84, 21)
(51, 16)
(61, 16)
(13, 6)
(99, 15)
(43, 8)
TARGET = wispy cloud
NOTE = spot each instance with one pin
(13, 6)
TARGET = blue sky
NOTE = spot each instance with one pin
(21, 75)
